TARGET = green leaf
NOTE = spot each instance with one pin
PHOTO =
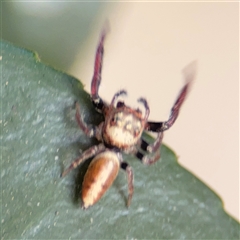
(39, 137)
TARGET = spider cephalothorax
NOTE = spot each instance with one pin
(121, 131)
(123, 126)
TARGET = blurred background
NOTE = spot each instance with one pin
(148, 46)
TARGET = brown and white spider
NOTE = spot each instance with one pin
(120, 131)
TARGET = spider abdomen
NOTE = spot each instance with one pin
(100, 175)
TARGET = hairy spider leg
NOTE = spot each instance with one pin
(96, 80)
(147, 109)
(126, 167)
(87, 154)
(162, 126)
(147, 159)
(116, 95)
(150, 148)
(91, 131)
(189, 75)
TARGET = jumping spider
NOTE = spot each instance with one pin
(120, 131)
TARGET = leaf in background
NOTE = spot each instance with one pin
(39, 136)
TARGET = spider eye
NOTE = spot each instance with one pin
(120, 104)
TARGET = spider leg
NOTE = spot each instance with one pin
(87, 154)
(148, 159)
(96, 80)
(126, 167)
(147, 109)
(116, 95)
(150, 148)
(189, 74)
(162, 126)
(91, 131)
